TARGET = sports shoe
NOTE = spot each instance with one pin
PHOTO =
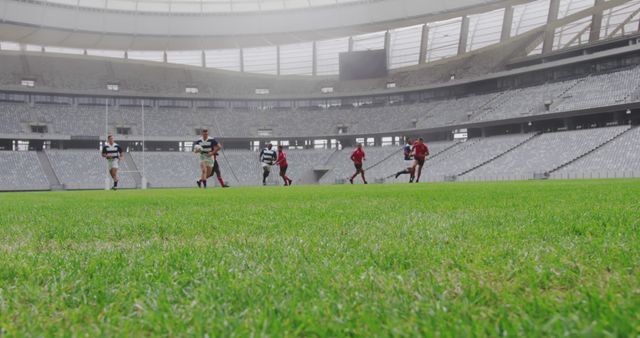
(114, 188)
(199, 184)
(365, 182)
(351, 180)
(226, 186)
(397, 175)
(290, 182)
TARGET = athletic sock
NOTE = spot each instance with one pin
(115, 184)
(204, 183)
(221, 181)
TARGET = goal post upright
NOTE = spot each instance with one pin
(143, 179)
(107, 178)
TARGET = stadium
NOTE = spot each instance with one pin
(498, 139)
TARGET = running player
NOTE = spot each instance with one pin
(420, 151)
(357, 156)
(113, 153)
(408, 160)
(208, 153)
(268, 157)
(282, 162)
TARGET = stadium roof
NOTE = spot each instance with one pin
(202, 6)
(409, 40)
(175, 25)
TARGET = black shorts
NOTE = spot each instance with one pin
(283, 170)
(358, 166)
(420, 162)
(216, 168)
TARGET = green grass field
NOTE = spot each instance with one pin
(550, 258)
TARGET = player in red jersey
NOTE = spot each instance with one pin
(420, 152)
(357, 156)
(283, 164)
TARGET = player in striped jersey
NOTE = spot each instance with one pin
(113, 153)
(268, 157)
(282, 162)
(207, 149)
(408, 161)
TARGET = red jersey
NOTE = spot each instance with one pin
(420, 151)
(357, 156)
(282, 159)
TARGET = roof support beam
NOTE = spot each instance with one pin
(464, 34)
(314, 59)
(596, 24)
(623, 23)
(423, 44)
(554, 8)
(576, 37)
(278, 59)
(387, 47)
(507, 22)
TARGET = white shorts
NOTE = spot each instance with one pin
(206, 160)
(266, 166)
(114, 163)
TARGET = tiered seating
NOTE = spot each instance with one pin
(342, 166)
(470, 154)
(85, 169)
(620, 157)
(67, 73)
(396, 162)
(303, 161)
(172, 169)
(527, 101)
(10, 117)
(65, 119)
(246, 166)
(10, 69)
(544, 153)
(602, 90)
(21, 171)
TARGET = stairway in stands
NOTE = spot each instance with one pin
(560, 97)
(133, 169)
(591, 150)
(499, 155)
(54, 182)
(494, 103)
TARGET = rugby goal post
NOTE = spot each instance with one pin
(127, 171)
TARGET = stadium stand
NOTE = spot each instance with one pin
(597, 152)
(171, 169)
(618, 158)
(471, 154)
(21, 171)
(395, 162)
(85, 169)
(588, 92)
(342, 168)
(602, 90)
(544, 153)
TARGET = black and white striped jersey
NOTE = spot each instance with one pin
(207, 145)
(111, 150)
(268, 156)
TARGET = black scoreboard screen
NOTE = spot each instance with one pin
(363, 65)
